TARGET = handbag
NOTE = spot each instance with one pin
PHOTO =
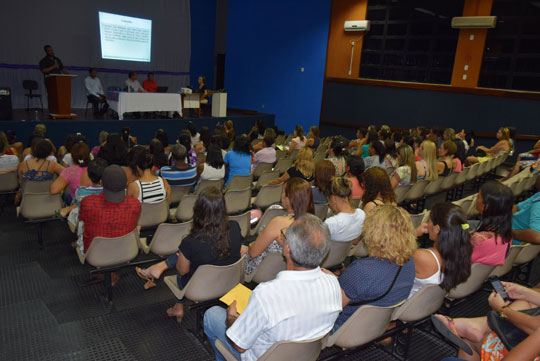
(366, 302)
(509, 334)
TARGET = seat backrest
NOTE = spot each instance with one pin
(462, 176)
(237, 200)
(322, 148)
(321, 210)
(270, 266)
(360, 250)
(418, 218)
(153, 214)
(449, 181)
(9, 182)
(434, 187)
(261, 168)
(210, 282)
(280, 139)
(40, 205)
(239, 182)
(31, 186)
(318, 156)
(417, 190)
(422, 304)
(106, 252)
(479, 273)
(365, 324)
(168, 237)
(267, 177)
(293, 350)
(338, 252)
(177, 192)
(30, 85)
(390, 170)
(283, 165)
(184, 212)
(527, 254)
(267, 217)
(294, 153)
(355, 202)
(473, 171)
(243, 221)
(401, 192)
(501, 270)
(280, 154)
(205, 183)
(268, 195)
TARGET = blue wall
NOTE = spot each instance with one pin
(203, 34)
(267, 44)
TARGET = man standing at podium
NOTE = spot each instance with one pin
(50, 64)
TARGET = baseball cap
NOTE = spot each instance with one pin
(114, 182)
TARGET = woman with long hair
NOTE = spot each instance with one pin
(299, 140)
(297, 199)
(324, 171)
(502, 146)
(378, 189)
(238, 160)
(75, 176)
(213, 239)
(389, 237)
(363, 146)
(213, 167)
(426, 167)
(114, 151)
(314, 139)
(161, 135)
(149, 188)
(158, 154)
(355, 169)
(448, 262)
(405, 174)
(303, 167)
(346, 224)
(337, 153)
(185, 139)
(446, 164)
(377, 154)
(493, 237)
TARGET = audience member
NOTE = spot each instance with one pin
(110, 213)
(129, 140)
(205, 138)
(324, 171)
(149, 84)
(526, 219)
(405, 174)
(132, 84)
(64, 152)
(460, 152)
(185, 139)
(526, 160)
(297, 200)
(257, 131)
(286, 318)
(363, 146)
(361, 139)
(446, 164)
(132, 172)
(238, 160)
(346, 224)
(194, 133)
(314, 139)
(8, 163)
(213, 239)
(378, 189)
(158, 154)
(95, 93)
(74, 176)
(302, 167)
(149, 188)
(448, 262)
(376, 156)
(37, 167)
(213, 167)
(501, 147)
(268, 132)
(15, 148)
(336, 155)
(161, 135)
(389, 271)
(229, 130)
(493, 237)
(179, 173)
(355, 169)
(102, 140)
(426, 167)
(266, 155)
(114, 151)
(299, 140)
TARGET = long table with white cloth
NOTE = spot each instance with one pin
(124, 102)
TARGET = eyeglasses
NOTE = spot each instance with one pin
(283, 232)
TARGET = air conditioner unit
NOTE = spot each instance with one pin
(357, 25)
(466, 22)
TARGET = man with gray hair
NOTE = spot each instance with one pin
(179, 173)
(301, 303)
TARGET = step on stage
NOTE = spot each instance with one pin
(143, 128)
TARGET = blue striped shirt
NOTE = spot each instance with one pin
(178, 176)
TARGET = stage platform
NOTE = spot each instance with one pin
(143, 128)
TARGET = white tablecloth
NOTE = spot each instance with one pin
(144, 102)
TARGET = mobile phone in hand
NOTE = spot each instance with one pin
(499, 288)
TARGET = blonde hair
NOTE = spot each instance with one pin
(339, 187)
(306, 167)
(505, 132)
(429, 155)
(304, 154)
(406, 157)
(389, 234)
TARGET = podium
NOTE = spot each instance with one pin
(219, 104)
(59, 94)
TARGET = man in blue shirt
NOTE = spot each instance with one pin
(526, 219)
(180, 173)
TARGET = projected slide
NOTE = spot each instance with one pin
(125, 37)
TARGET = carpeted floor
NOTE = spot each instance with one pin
(46, 315)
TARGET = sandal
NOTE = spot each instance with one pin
(57, 215)
(449, 332)
(150, 282)
(172, 313)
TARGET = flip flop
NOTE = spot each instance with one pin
(150, 282)
(450, 333)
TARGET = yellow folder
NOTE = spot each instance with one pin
(240, 294)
